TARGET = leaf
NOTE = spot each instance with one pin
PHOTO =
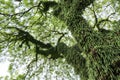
(26, 2)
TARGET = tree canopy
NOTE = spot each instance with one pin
(61, 39)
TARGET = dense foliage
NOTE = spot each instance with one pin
(82, 33)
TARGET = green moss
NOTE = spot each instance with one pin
(101, 50)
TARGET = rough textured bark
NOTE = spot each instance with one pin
(92, 55)
(96, 56)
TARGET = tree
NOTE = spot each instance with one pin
(41, 30)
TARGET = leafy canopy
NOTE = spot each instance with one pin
(53, 37)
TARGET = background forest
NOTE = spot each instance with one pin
(60, 39)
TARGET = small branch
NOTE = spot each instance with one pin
(10, 15)
(97, 23)
(95, 15)
(110, 15)
(101, 21)
(63, 34)
(104, 20)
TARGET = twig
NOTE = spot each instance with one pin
(5, 14)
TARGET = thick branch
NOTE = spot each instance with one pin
(24, 35)
(55, 52)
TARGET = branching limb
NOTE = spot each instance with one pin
(19, 13)
(24, 35)
(97, 22)
(62, 35)
(104, 20)
(41, 48)
(10, 15)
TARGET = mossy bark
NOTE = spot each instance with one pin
(96, 55)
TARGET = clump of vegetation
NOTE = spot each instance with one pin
(40, 32)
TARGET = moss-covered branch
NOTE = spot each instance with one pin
(92, 56)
